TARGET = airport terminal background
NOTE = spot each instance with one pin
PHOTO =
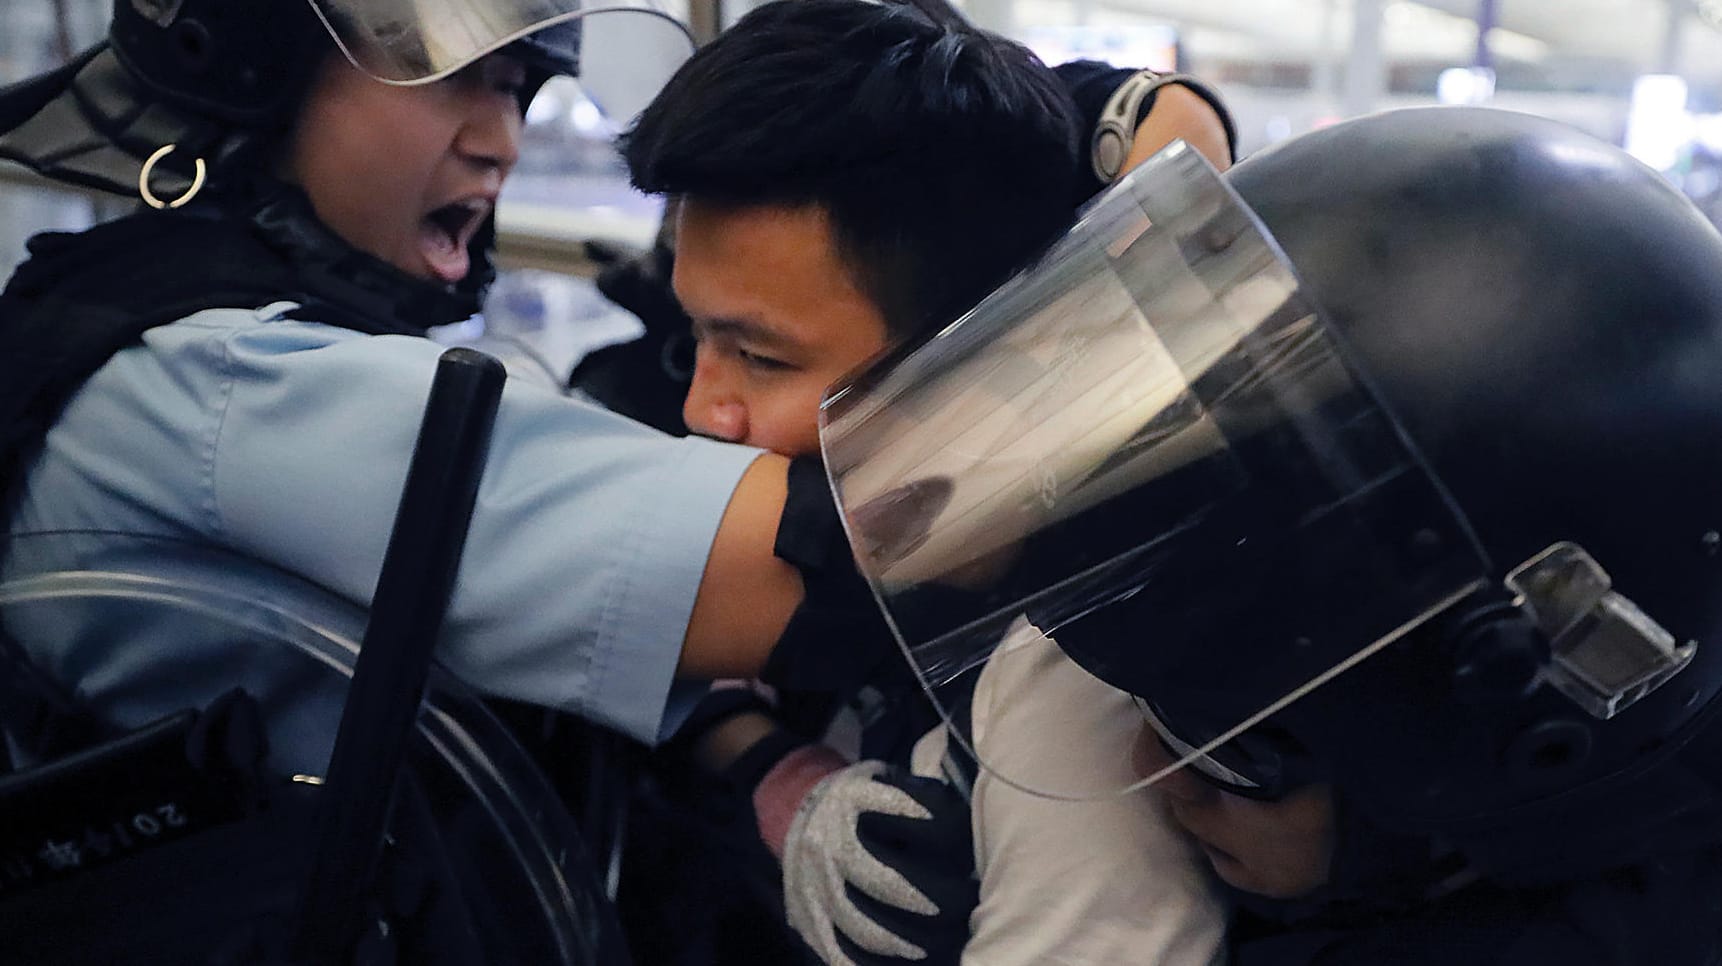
(1644, 74)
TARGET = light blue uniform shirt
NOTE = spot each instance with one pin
(288, 442)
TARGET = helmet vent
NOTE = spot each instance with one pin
(1549, 752)
(191, 41)
(1605, 652)
(159, 12)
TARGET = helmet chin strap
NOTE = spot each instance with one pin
(1373, 865)
(283, 216)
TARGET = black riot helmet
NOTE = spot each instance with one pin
(1389, 459)
(250, 62)
(204, 76)
(242, 63)
(209, 76)
(1539, 312)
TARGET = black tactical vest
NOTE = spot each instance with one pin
(82, 297)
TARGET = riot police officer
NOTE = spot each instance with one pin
(1382, 473)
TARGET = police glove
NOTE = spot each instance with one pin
(878, 868)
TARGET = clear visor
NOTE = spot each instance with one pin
(622, 52)
(1152, 421)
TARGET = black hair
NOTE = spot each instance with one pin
(943, 155)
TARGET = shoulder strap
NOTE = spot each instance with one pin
(82, 297)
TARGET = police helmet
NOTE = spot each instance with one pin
(1539, 313)
(208, 76)
(1387, 460)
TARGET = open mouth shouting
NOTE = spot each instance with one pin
(445, 233)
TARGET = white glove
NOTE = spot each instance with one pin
(878, 868)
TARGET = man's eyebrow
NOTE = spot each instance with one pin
(747, 329)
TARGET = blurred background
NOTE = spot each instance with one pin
(1643, 74)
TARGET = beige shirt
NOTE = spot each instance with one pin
(1098, 883)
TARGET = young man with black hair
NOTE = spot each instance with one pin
(814, 148)
(849, 175)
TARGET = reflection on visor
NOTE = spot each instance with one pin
(420, 41)
(1150, 440)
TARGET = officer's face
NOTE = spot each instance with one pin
(777, 318)
(409, 174)
(1281, 849)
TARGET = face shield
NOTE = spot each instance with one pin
(622, 52)
(1150, 443)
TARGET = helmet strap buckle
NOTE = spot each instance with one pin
(201, 173)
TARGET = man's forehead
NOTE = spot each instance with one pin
(721, 300)
(763, 273)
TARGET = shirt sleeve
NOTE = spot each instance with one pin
(1076, 883)
(587, 545)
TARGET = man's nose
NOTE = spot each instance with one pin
(711, 410)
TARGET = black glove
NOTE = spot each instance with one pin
(838, 636)
(646, 379)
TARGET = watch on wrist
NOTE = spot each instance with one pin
(1124, 112)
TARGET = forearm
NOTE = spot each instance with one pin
(780, 598)
(748, 594)
(775, 771)
(727, 741)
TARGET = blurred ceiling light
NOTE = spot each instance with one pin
(1142, 44)
(549, 104)
(1415, 26)
(1659, 126)
(1275, 30)
(586, 117)
(1465, 85)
